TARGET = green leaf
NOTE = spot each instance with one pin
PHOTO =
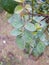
(39, 49)
(20, 42)
(43, 37)
(16, 32)
(18, 9)
(28, 7)
(28, 38)
(47, 1)
(37, 25)
(39, 33)
(8, 5)
(30, 27)
(21, 1)
(16, 21)
(27, 48)
(43, 24)
(38, 19)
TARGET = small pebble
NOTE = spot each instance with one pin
(4, 42)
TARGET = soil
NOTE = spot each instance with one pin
(10, 54)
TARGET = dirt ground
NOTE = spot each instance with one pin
(10, 54)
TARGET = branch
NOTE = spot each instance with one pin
(45, 15)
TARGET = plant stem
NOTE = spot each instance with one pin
(32, 9)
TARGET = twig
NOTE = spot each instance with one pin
(45, 15)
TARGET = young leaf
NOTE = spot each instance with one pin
(21, 1)
(37, 26)
(18, 9)
(28, 7)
